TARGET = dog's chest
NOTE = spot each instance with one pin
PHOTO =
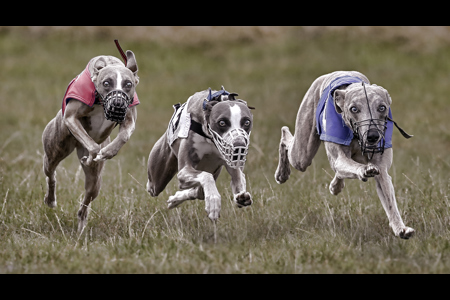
(96, 125)
(204, 154)
(203, 146)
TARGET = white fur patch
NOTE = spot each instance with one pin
(235, 117)
(119, 81)
(202, 145)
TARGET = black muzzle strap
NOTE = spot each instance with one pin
(405, 135)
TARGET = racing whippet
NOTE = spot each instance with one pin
(354, 120)
(209, 131)
(99, 98)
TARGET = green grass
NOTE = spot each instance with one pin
(297, 227)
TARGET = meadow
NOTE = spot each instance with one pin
(296, 227)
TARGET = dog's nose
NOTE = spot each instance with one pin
(373, 136)
(239, 143)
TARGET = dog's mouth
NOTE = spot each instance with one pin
(233, 146)
(115, 105)
(371, 135)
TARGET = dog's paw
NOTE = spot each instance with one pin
(369, 170)
(99, 158)
(336, 186)
(105, 153)
(243, 199)
(174, 201)
(50, 200)
(212, 206)
(282, 174)
(86, 160)
(406, 233)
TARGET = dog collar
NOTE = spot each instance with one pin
(197, 128)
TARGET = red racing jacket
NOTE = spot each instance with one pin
(82, 89)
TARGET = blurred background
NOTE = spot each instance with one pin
(270, 67)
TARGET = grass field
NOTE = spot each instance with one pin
(297, 227)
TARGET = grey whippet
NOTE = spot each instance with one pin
(105, 94)
(209, 131)
(358, 145)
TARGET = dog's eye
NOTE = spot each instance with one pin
(353, 109)
(222, 123)
(381, 108)
(128, 85)
(105, 83)
(247, 123)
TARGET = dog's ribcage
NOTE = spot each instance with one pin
(97, 126)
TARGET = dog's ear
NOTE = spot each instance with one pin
(98, 65)
(385, 92)
(132, 64)
(339, 96)
(389, 98)
(245, 102)
(208, 107)
(232, 96)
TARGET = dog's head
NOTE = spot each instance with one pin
(365, 108)
(115, 84)
(230, 123)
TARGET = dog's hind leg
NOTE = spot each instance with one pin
(284, 169)
(162, 166)
(56, 148)
(299, 149)
(92, 183)
(49, 171)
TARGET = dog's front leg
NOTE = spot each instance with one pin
(386, 193)
(238, 186)
(74, 111)
(190, 178)
(345, 167)
(126, 129)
